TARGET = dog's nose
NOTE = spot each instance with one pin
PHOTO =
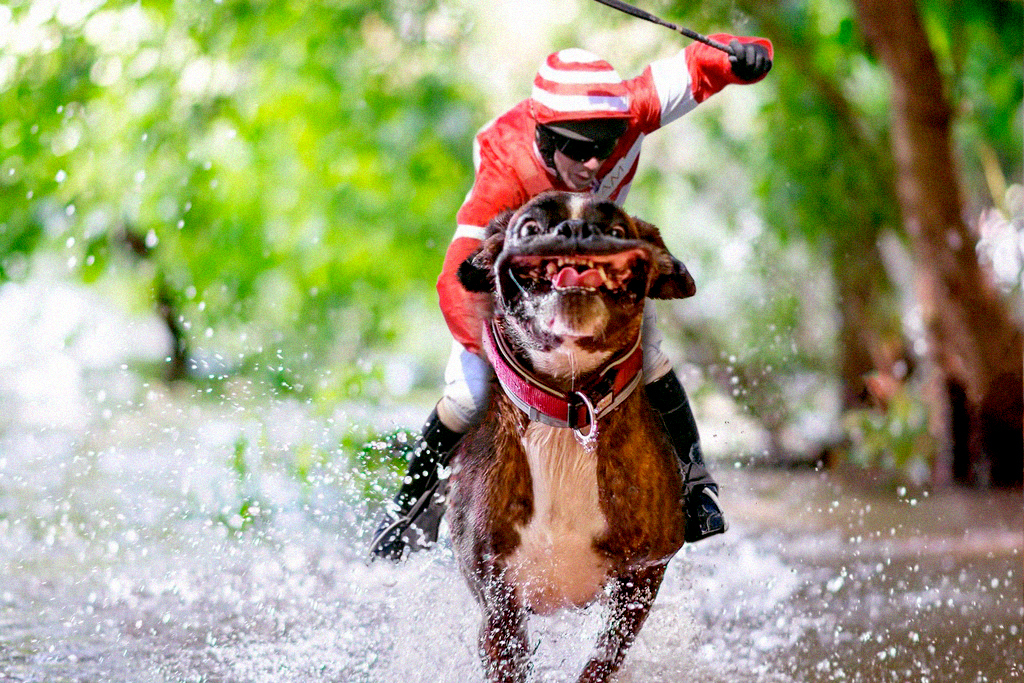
(577, 229)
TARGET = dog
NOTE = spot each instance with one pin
(568, 491)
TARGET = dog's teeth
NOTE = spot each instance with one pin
(552, 268)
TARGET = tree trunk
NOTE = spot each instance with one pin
(177, 365)
(975, 349)
(871, 348)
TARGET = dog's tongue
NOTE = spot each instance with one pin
(568, 277)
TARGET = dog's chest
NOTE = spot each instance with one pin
(556, 564)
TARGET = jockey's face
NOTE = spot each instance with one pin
(578, 176)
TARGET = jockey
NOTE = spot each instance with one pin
(580, 131)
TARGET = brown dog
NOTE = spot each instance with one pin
(568, 491)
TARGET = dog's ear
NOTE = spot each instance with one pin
(672, 280)
(476, 273)
(677, 283)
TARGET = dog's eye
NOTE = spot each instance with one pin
(617, 231)
(528, 228)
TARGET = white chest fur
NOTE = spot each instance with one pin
(556, 565)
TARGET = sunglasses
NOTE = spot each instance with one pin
(584, 150)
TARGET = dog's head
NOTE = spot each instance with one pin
(572, 272)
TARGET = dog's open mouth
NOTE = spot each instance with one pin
(612, 273)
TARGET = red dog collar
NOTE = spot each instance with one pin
(576, 409)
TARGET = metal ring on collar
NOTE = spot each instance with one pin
(591, 414)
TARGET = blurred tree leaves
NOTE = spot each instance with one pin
(287, 171)
(820, 159)
(281, 176)
(825, 174)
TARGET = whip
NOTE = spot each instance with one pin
(647, 16)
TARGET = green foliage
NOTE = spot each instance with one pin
(821, 161)
(287, 173)
(379, 461)
(974, 42)
(895, 439)
(346, 466)
(825, 169)
(247, 509)
(280, 162)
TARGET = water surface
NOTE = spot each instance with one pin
(170, 540)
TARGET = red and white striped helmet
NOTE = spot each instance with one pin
(576, 85)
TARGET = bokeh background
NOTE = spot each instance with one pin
(221, 222)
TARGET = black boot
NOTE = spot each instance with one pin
(703, 515)
(406, 523)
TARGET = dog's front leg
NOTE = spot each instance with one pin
(632, 595)
(503, 642)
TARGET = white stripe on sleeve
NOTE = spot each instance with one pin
(672, 83)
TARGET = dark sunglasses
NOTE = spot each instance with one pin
(583, 150)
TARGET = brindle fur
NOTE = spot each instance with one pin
(639, 492)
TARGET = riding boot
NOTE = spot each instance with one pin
(703, 515)
(412, 519)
